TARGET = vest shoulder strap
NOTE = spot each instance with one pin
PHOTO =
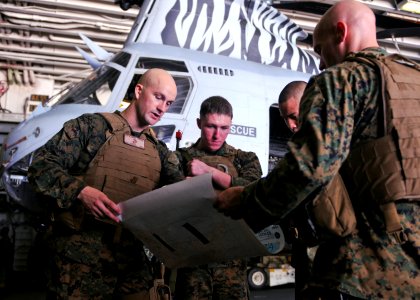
(115, 122)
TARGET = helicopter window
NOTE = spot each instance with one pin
(166, 64)
(94, 90)
(122, 58)
(164, 132)
(184, 85)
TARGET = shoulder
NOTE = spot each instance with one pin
(229, 150)
(240, 154)
(342, 79)
(85, 124)
(345, 72)
(167, 156)
(90, 120)
(162, 145)
(190, 150)
(185, 154)
(351, 66)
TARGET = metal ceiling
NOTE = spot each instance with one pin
(38, 37)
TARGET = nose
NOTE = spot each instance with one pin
(292, 124)
(216, 133)
(161, 107)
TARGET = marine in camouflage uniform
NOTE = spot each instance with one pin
(226, 280)
(339, 111)
(367, 265)
(99, 260)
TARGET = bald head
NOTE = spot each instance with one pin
(156, 77)
(348, 26)
(293, 89)
(289, 100)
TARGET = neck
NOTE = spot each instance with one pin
(133, 121)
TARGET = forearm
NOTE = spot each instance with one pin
(316, 153)
(221, 179)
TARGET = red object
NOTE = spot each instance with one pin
(178, 135)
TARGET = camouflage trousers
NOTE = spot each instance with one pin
(225, 281)
(92, 264)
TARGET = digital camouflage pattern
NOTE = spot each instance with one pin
(339, 110)
(215, 282)
(246, 163)
(228, 280)
(89, 265)
(55, 165)
(101, 261)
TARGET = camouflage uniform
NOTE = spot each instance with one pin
(99, 261)
(339, 110)
(226, 280)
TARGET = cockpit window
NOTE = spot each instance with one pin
(184, 86)
(166, 64)
(122, 58)
(94, 90)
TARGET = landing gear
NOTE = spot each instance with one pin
(257, 278)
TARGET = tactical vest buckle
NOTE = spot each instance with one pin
(400, 237)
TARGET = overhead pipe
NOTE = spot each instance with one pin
(114, 38)
(43, 11)
(54, 56)
(51, 23)
(43, 71)
(65, 53)
(41, 60)
(95, 8)
(58, 73)
(53, 43)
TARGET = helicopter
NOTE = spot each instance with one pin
(244, 51)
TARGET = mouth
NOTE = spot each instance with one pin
(215, 143)
(156, 116)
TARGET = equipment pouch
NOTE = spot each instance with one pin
(332, 209)
(329, 215)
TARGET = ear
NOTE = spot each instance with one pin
(341, 32)
(199, 123)
(137, 90)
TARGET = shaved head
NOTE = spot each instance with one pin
(155, 77)
(289, 100)
(348, 26)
